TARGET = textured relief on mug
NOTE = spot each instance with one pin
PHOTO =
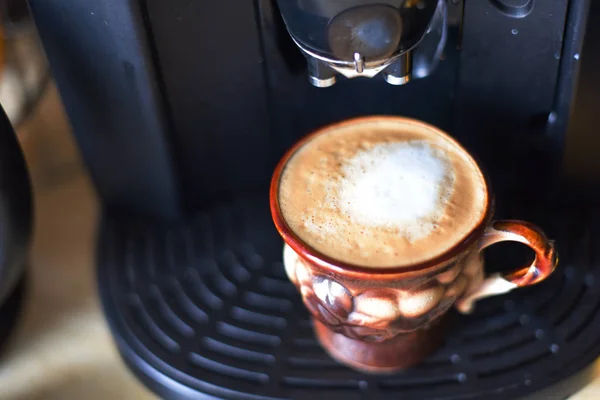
(377, 311)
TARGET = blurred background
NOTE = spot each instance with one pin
(61, 348)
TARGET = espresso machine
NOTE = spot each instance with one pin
(182, 108)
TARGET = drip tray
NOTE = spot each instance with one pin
(205, 308)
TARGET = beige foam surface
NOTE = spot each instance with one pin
(62, 348)
(381, 193)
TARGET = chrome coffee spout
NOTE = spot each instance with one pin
(400, 71)
(399, 39)
(319, 73)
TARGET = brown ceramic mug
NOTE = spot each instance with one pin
(377, 289)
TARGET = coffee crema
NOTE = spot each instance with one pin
(382, 193)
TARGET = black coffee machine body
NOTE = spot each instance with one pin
(152, 87)
(181, 110)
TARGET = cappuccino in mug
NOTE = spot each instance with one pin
(384, 220)
(382, 193)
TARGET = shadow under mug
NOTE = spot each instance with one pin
(385, 320)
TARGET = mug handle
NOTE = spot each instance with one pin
(542, 266)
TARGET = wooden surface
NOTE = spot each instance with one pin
(62, 348)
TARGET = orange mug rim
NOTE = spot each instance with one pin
(336, 266)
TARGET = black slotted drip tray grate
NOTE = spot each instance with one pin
(205, 308)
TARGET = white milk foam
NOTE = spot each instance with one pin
(402, 186)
